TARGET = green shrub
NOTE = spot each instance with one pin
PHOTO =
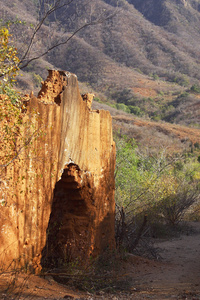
(156, 118)
(97, 99)
(160, 186)
(155, 77)
(135, 110)
(37, 79)
(122, 96)
(123, 107)
(197, 145)
(182, 80)
(184, 94)
(195, 88)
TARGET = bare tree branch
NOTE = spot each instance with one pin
(39, 25)
(61, 43)
(101, 19)
(24, 61)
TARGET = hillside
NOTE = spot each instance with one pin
(153, 135)
(146, 56)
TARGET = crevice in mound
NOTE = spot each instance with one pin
(68, 233)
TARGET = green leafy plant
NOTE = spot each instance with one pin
(37, 79)
(135, 110)
(195, 88)
(157, 186)
(123, 107)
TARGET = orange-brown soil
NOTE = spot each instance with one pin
(175, 276)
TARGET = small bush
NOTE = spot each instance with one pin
(37, 79)
(197, 145)
(97, 99)
(123, 107)
(156, 118)
(135, 110)
(161, 186)
(195, 88)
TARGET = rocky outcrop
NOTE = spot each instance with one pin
(59, 202)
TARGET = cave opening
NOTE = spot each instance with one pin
(68, 236)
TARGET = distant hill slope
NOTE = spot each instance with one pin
(153, 135)
(149, 48)
(132, 40)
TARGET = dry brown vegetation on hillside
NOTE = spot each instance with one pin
(155, 135)
(149, 48)
(145, 57)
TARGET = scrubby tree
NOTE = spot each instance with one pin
(152, 188)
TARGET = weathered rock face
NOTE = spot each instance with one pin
(60, 196)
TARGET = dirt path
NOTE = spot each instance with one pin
(176, 276)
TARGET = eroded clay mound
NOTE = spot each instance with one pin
(60, 191)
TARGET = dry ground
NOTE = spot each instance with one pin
(175, 276)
